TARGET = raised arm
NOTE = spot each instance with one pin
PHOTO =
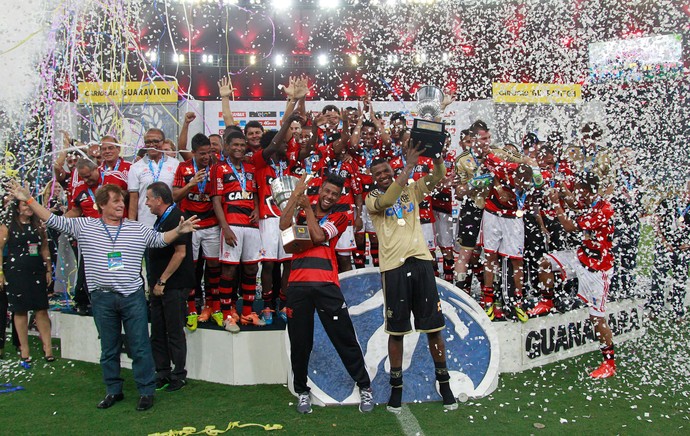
(21, 193)
(226, 92)
(184, 133)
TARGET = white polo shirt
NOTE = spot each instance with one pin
(141, 176)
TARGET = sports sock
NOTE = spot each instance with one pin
(443, 379)
(359, 258)
(448, 269)
(608, 352)
(396, 382)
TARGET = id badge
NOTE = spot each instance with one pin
(33, 249)
(115, 261)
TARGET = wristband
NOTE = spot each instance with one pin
(30, 200)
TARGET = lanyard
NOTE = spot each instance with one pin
(681, 213)
(520, 197)
(309, 161)
(105, 168)
(160, 168)
(92, 195)
(240, 178)
(278, 168)
(108, 232)
(201, 186)
(164, 216)
(368, 156)
(322, 221)
(337, 168)
(595, 202)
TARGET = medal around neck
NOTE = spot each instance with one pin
(295, 238)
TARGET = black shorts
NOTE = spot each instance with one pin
(411, 288)
(469, 225)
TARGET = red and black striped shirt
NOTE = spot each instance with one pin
(238, 207)
(318, 265)
(195, 202)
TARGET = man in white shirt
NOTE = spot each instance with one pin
(154, 167)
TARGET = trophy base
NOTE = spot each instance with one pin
(296, 239)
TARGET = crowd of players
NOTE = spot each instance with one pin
(521, 219)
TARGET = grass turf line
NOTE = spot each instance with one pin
(649, 395)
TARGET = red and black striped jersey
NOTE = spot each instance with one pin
(348, 171)
(198, 199)
(318, 265)
(363, 158)
(442, 199)
(238, 203)
(597, 230)
(423, 168)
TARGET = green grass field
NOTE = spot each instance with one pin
(648, 396)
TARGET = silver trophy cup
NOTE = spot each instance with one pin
(429, 100)
(295, 238)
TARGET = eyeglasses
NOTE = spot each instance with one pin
(152, 141)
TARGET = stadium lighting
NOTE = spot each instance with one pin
(445, 57)
(207, 59)
(392, 59)
(252, 59)
(329, 4)
(151, 56)
(178, 58)
(281, 5)
(322, 60)
(279, 60)
(354, 60)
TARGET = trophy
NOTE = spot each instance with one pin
(429, 133)
(295, 238)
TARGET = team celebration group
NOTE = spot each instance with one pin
(528, 229)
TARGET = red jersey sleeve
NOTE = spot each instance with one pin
(597, 218)
(500, 168)
(216, 180)
(258, 160)
(178, 181)
(335, 224)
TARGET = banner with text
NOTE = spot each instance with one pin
(537, 93)
(127, 92)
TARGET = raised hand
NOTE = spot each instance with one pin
(447, 100)
(225, 88)
(188, 225)
(18, 191)
(189, 117)
(290, 89)
(301, 87)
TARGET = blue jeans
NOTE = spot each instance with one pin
(112, 311)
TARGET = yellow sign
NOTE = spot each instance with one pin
(537, 93)
(127, 92)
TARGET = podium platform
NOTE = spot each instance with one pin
(245, 358)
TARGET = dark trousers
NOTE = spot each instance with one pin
(3, 316)
(677, 262)
(168, 341)
(81, 294)
(112, 311)
(626, 238)
(535, 249)
(328, 301)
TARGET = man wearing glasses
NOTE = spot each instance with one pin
(154, 167)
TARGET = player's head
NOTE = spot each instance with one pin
(332, 114)
(482, 136)
(368, 134)
(235, 146)
(382, 173)
(466, 140)
(330, 191)
(252, 132)
(586, 188)
(216, 143)
(398, 125)
(201, 147)
(546, 155)
(591, 134)
(268, 137)
(523, 177)
(110, 150)
(89, 172)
